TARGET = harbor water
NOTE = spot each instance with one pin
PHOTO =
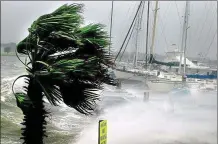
(170, 118)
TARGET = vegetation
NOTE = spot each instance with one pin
(67, 62)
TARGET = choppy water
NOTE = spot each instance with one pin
(189, 118)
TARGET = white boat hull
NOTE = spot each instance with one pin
(128, 75)
(123, 75)
(163, 86)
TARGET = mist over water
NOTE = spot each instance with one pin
(187, 119)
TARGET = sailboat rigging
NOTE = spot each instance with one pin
(167, 81)
(128, 31)
(158, 77)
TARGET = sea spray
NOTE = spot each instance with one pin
(152, 123)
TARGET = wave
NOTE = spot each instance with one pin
(6, 87)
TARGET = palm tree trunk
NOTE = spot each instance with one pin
(34, 117)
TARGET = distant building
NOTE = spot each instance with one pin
(8, 47)
(7, 50)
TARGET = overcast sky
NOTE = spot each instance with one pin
(16, 17)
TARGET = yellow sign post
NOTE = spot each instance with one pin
(102, 132)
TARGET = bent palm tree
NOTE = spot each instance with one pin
(67, 63)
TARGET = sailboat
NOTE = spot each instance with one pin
(174, 77)
(126, 70)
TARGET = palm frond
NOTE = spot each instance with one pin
(65, 18)
(56, 28)
(23, 101)
(95, 43)
(26, 45)
(75, 72)
(67, 63)
(80, 96)
(72, 8)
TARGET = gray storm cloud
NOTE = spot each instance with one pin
(16, 17)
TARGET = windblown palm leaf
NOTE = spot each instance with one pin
(67, 63)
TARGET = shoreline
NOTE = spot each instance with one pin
(11, 55)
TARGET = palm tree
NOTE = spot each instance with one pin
(67, 62)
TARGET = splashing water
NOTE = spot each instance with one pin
(162, 120)
(6, 86)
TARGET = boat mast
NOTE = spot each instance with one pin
(136, 44)
(186, 34)
(112, 9)
(138, 28)
(146, 52)
(184, 40)
(154, 28)
(153, 31)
